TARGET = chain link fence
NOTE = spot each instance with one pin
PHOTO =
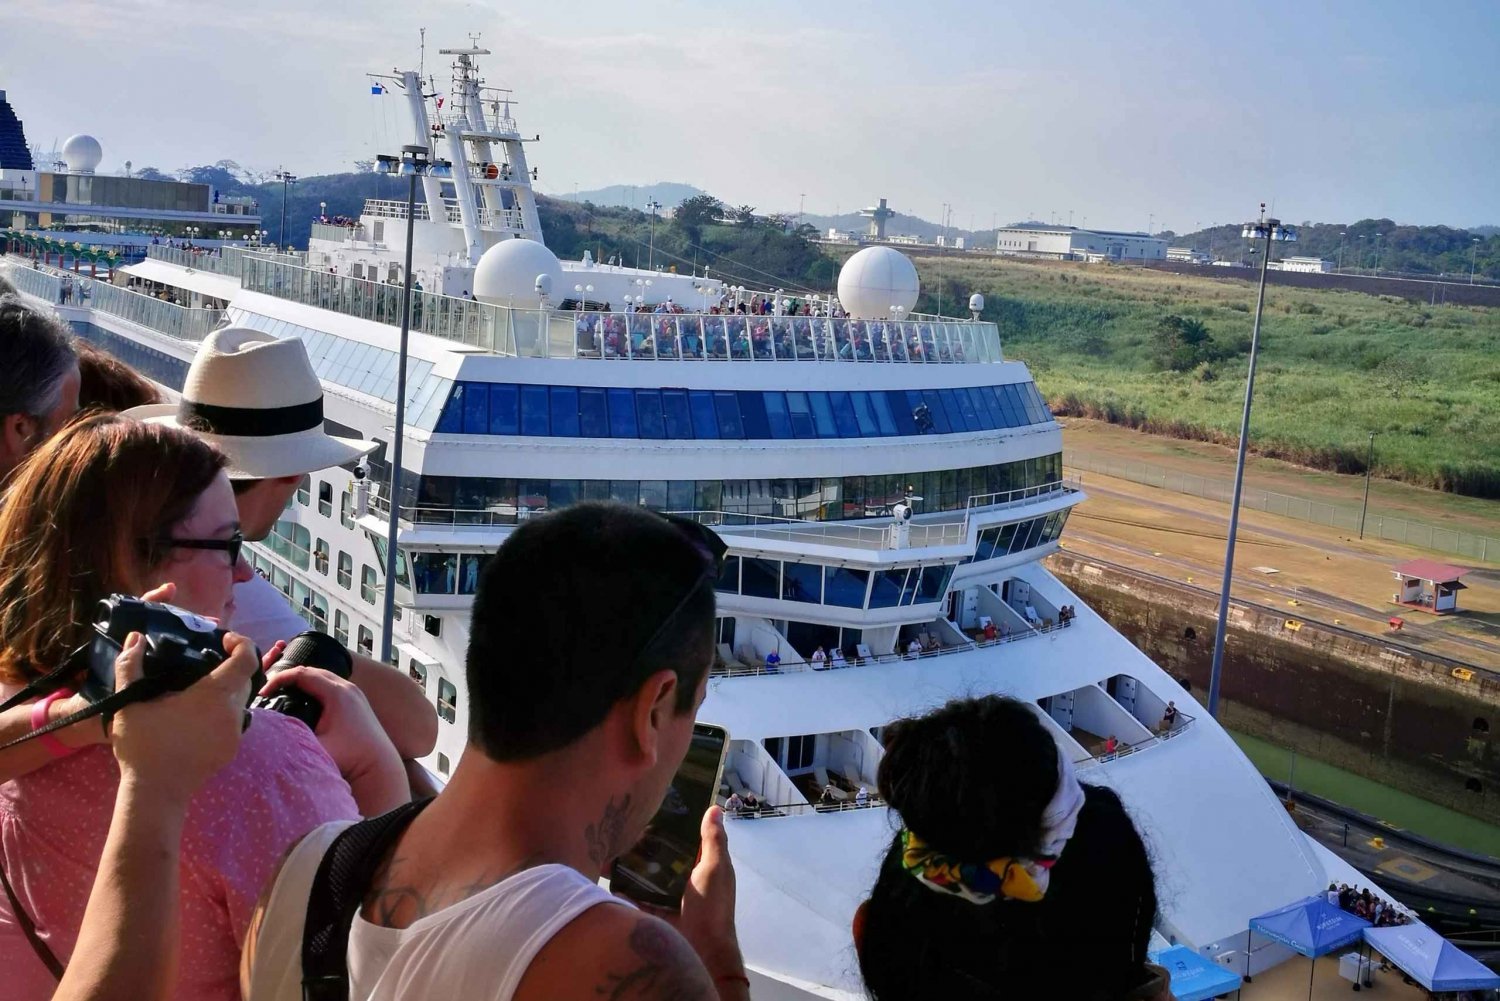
(1345, 519)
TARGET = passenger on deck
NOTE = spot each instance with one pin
(733, 805)
(171, 522)
(819, 656)
(1169, 718)
(1002, 868)
(990, 632)
(38, 379)
(837, 658)
(1111, 744)
(490, 890)
(862, 798)
(914, 647)
(773, 662)
(831, 795)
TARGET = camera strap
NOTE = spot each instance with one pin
(139, 690)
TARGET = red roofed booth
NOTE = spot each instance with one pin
(1429, 585)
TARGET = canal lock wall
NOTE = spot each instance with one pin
(1420, 723)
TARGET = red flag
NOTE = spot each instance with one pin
(440, 102)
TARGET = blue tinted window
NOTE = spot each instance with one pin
(674, 412)
(934, 583)
(822, 415)
(960, 411)
(777, 419)
(648, 411)
(800, 412)
(1032, 401)
(476, 408)
(505, 401)
(900, 411)
(864, 413)
(534, 410)
(728, 411)
(802, 582)
(565, 411)
(843, 415)
(452, 421)
(981, 407)
(885, 421)
(621, 413)
(845, 587)
(729, 576)
(593, 413)
(1010, 402)
(991, 396)
(939, 413)
(1042, 414)
(705, 420)
(760, 578)
(753, 413)
(886, 591)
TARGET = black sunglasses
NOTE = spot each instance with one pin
(709, 546)
(232, 545)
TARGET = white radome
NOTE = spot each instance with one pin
(509, 274)
(82, 154)
(877, 280)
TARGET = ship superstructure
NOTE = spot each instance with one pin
(887, 485)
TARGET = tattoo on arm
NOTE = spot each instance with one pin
(666, 968)
(604, 838)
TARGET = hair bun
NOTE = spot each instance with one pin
(972, 778)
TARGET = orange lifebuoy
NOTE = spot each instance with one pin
(491, 171)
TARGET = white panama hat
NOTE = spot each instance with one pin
(257, 399)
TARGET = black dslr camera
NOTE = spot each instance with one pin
(180, 647)
(312, 649)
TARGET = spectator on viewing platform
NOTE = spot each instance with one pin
(914, 647)
(837, 658)
(819, 656)
(490, 890)
(1002, 859)
(773, 662)
(733, 805)
(830, 795)
(1169, 717)
(39, 386)
(862, 798)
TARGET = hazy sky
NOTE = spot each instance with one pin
(1188, 113)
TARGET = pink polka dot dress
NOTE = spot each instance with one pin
(53, 824)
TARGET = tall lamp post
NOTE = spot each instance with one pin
(414, 162)
(653, 205)
(1267, 230)
(1473, 258)
(285, 178)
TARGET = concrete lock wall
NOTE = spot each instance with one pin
(1417, 722)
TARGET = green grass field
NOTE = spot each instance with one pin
(1334, 365)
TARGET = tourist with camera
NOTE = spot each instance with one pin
(115, 506)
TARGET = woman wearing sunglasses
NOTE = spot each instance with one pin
(114, 505)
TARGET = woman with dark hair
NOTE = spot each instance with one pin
(1008, 879)
(115, 505)
(108, 384)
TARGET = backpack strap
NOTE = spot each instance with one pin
(335, 897)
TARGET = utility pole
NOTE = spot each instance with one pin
(653, 205)
(1473, 258)
(1365, 505)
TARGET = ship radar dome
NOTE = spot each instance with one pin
(876, 281)
(517, 273)
(82, 154)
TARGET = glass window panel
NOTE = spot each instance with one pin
(802, 582)
(654, 494)
(561, 493)
(1010, 401)
(753, 414)
(885, 420)
(469, 566)
(708, 495)
(648, 412)
(1043, 413)
(843, 415)
(1007, 537)
(504, 404)
(761, 578)
(593, 413)
(675, 415)
(822, 415)
(452, 421)
(705, 419)
(593, 490)
(778, 420)
(1034, 532)
(934, 583)
(901, 410)
(986, 545)
(625, 491)
(531, 495)
(960, 414)
(1035, 411)
(729, 576)
(885, 592)
(435, 573)
(564, 411)
(534, 420)
(621, 414)
(800, 412)
(864, 413)
(909, 592)
(680, 495)
(935, 409)
(981, 409)
(728, 409)
(845, 587)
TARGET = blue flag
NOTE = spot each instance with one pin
(377, 88)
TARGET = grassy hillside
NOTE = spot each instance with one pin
(1335, 365)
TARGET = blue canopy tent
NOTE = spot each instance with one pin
(1430, 959)
(1311, 926)
(1195, 978)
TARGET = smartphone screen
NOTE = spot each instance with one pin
(656, 870)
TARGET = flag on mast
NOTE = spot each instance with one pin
(377, 88)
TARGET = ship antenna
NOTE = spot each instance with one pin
(422, 56)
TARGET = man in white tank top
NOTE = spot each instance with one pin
(574, 736)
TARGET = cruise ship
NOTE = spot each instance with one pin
(888, 484)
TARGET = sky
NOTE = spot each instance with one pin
(1120, 115)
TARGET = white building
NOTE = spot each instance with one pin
(1066, 243)
(1313, 264)
(1187, 255)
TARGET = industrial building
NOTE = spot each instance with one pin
(1316, 265)
(1067, 243)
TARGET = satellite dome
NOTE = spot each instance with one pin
(516, 273)
(875, 280)
(82, 154)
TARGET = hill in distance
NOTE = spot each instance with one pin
(634, 196)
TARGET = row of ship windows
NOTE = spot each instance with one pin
(681, 414)
(845, 587)
(500, 500)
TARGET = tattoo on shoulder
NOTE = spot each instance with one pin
(605, 838)
(666, 969)
(396, 897)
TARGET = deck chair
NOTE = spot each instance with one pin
(1031, 616)
(863, 651)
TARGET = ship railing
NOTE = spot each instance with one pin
(1177, 729)
(761, 526)
(1070, 483)
(338, 234)
(765, 810)
(185, 323)
(34, 281)
(223, 261)
(504, 219)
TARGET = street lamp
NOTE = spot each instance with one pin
(322, 212)
(192, 233)
(1369, 465)
(653, 205)
(414, 162)
(1342, 234)
(1376, 269)
(1473, 258)
(285, 178)
(581, 291)
(1267, 230)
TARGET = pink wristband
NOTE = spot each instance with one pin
(54, 747)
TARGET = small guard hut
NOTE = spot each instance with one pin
(1428, 585)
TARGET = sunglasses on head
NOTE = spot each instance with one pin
(712, 549)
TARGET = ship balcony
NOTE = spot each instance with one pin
(803, 773)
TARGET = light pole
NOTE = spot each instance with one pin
(1369, 465)
(653, 205)
(285, 178)
(1376, 269)
(322, 212)
(1473, 258)
(582, 292)
(1342, 234)
(1267, 230)
(414, 162)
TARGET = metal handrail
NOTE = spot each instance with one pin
(766, 810)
